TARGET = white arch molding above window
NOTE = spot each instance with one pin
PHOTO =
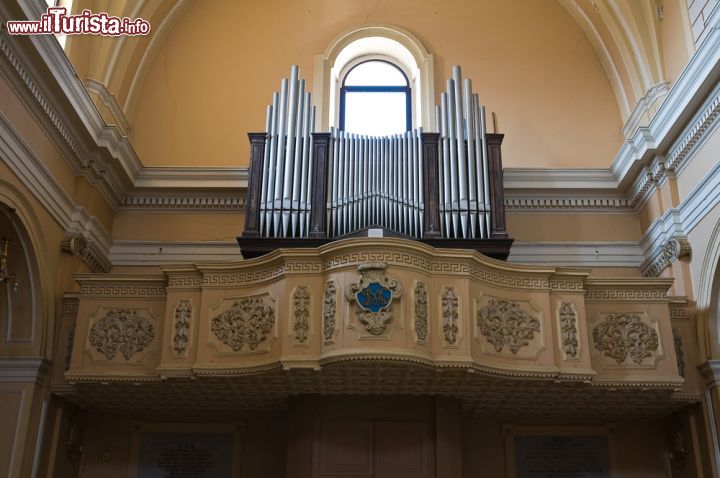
(374, 42)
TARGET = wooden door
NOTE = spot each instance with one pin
(373, 449)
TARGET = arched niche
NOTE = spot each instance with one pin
(25, 314)
(708, 299)
(372, 41)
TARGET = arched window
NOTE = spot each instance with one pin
(375, 43)
(375, 99)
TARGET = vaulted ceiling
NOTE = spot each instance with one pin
(631, 39)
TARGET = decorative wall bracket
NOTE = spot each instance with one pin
(87, 252)
(674, 249)
(374, 294)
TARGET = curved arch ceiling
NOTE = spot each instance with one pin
(625, 35)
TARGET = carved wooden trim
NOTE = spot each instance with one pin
(181, 328)
(301, 315)
(568, 323)
(450, 305)
(329, 311)
(421, 313)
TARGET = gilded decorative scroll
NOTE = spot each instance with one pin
(503, 323)
(450, 316)
(329, 310)
(623, 335)
(121, 330)
(421, 312)
(248, 321)
(301, 313)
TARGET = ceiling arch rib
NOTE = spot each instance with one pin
(626, 37)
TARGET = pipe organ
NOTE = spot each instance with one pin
(308, 188)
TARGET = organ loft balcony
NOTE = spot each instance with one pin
(371, 316)
(415, 300)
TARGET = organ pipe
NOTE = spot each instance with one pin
(376, 181)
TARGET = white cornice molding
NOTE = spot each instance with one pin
(193, 178)
(35, 175)
(679, 222)
(110, 103)
(54, 56)
(185, 202)
(699, 76)
(644, 108)
(552, 179)
(578, 254)
(78, 158)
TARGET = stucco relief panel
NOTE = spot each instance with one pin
(508, 327)
(243, 325)
(626, 340)
(121, 335)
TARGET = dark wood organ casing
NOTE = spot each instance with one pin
(442, 188)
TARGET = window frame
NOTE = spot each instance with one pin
(376, 89)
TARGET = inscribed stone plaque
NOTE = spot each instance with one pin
(185, 455)
(550, 456)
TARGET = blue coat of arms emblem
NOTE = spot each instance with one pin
(374, 294)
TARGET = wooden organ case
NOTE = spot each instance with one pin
(309, 188)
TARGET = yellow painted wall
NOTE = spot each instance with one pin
(573, 227)
(676, 38)
(531, 63)
(192, 226)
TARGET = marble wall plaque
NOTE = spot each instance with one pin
(558, 456)
(185, 455)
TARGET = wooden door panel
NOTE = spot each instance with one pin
(402, 450)
(367, 449)
(345, 449)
